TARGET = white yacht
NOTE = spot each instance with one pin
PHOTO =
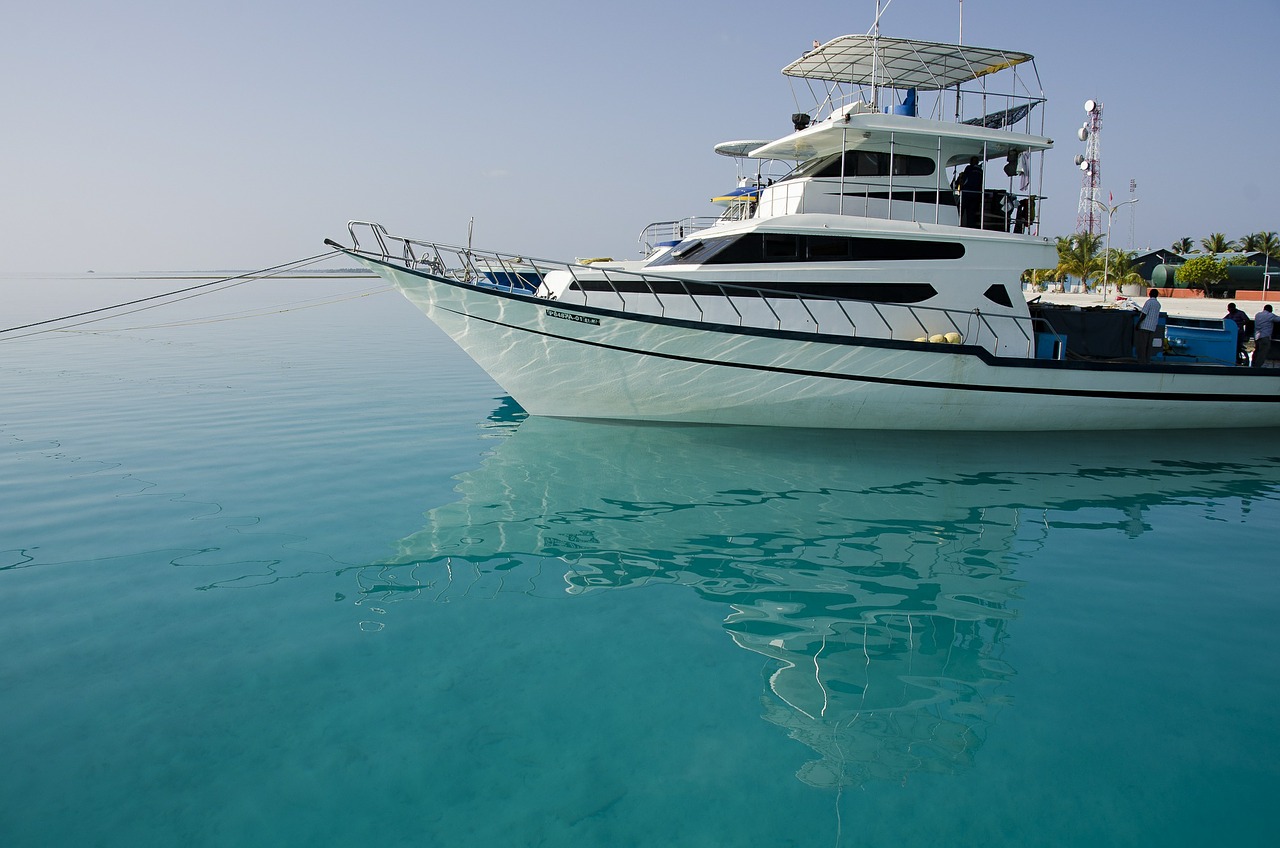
(874, 285)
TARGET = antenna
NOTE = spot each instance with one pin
(1088, 219)
(875, 51)
(1133, 213)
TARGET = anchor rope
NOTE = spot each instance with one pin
(199, 289)
(295, 306)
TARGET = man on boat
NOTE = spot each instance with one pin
(1263, 323)
(1242, 330)
(970, 185)
(1147, 326)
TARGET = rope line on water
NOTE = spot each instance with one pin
(250, 313)
(225, 283)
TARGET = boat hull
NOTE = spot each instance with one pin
(573, 361)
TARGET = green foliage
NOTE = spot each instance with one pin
(1262, 241)
(1078, 257)
(1121, 269)
(1038, 277)
(1201, 272)
(1217, 243)
(1081, 256)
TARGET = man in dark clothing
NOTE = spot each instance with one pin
(970, 185)
(1242, 330)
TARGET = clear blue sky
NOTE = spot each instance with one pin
(143, 135)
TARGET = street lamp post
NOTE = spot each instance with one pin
(1106, 256)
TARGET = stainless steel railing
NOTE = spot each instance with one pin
(708, 301)
(661, 233)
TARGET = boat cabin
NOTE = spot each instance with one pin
(874, 145)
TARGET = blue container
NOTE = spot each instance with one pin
(1049, 346)
(1208, 340)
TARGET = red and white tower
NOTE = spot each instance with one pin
(1088, 215)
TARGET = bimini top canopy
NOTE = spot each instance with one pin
(900, 62)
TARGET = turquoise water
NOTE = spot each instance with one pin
(303, 576)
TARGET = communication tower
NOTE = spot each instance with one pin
(1088, 217)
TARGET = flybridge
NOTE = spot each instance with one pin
(868, 60)
(862, 68)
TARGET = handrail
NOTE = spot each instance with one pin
(1001, 210)
(529, 276)
(657, 233)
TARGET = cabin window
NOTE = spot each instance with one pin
(756, 248)
(998, 294)
(829, 248)
(686, 249)
(873, 292)
(697, 251)
(780, 247)
(791, 247)
(866, 163)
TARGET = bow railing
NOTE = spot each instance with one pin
(613, 286)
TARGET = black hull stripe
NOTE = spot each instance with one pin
(1225, 372)
(893, 381)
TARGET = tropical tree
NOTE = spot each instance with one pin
(1201, 272)
(1217, 243)
(1078, 257)
(1182, 245)
(1036, 277)
(1261, 242)
(1120, 268)
(1269, 243)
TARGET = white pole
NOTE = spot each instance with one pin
(1106, 257)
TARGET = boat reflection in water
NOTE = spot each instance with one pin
(877, 572)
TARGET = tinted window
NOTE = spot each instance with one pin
(692, 252)
(685, 250)
(780, 247)
(866, 163)
(875, 292)
(754, 248)
(829, 248)
(788, 247)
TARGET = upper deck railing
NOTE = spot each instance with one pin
(666, 233)
(707, 301)
(970, 83)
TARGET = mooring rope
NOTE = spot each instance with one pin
(295, 306)
(225, 283)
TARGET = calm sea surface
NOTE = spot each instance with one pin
(280, 566)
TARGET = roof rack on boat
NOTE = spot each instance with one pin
(863, 70)
(869, 60)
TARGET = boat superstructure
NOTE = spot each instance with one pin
(874, 284)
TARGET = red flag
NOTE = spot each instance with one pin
(1110, 197)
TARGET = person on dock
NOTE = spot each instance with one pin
(1263, 323)
(1242, 331)
(1147, 326)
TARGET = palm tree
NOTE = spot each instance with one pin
(1262, 242)
(1121, 270)
(1078, 256)
(1182, 245)
(1217, 243)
